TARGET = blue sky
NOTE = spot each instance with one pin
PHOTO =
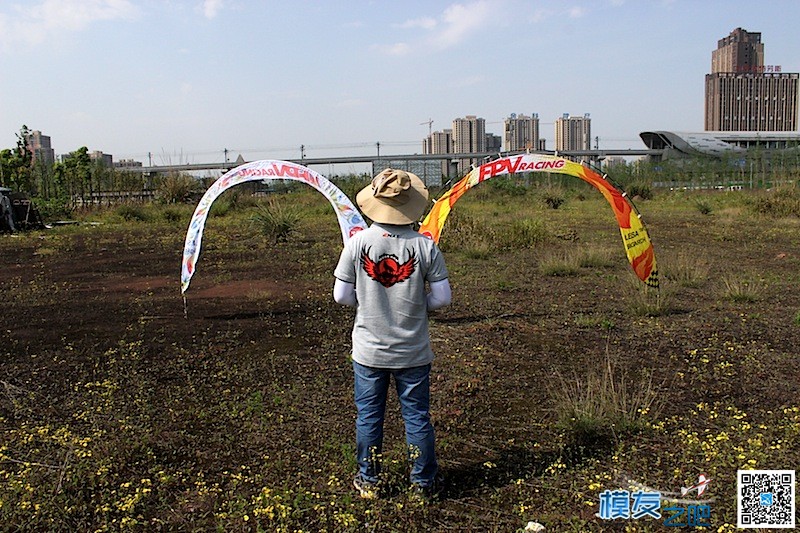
(186, 79)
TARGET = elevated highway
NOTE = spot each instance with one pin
(373, 159)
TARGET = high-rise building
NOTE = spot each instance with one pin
(741, 51)
(438, 142)
(494, 143)
(469, 136)
(573, 133)
(107, 160)
(39, 145)
(743, 94)
(521, 132)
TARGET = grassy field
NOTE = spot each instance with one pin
(558, 375)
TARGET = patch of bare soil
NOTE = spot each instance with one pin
(245, 402)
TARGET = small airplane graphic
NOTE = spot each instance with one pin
(700, 486)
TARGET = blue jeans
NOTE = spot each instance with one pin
(413, 390)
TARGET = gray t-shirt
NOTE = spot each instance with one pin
(389, 266)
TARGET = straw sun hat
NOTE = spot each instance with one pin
(394, 197)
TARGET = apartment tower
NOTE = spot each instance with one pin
(439, 142)
(521, 132)
(469, 136)
(40, 147)
(743, 94)
(573, 133)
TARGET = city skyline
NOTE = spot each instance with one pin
(185, 80)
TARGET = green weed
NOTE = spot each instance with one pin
(525, 233)
(641, 190)
(277, 220)
(702, 206)
(176, 188)
(779, 202)
(130, 212)
(552, 196)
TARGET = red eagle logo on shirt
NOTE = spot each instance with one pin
(387, 270)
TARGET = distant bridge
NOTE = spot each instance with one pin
(487, 156)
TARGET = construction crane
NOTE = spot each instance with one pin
(430, 124)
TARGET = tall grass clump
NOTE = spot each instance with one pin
(645, 300)
(525, 233)
(594, 410)
(552, 196)
(507, 185)
(174, 214)
(703, 206)
(742, 288)
(468, 234)
(560, 264)
(276, 220)
(221, 207)
(688, 270)
(780, 202)
(176, 188)
(130, 212)
(595, 257)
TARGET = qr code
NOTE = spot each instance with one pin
(765, 499)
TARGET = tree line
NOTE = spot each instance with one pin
(70, 182)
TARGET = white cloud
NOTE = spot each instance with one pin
(576, 12)
(425, 23)
(540, 15)
(456, 23)
(461, 20)
(32, 24)
(396, 49)
(211, 8)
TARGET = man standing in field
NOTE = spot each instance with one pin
(382, 272)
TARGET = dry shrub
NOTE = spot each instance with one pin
(595, 409)
(686, 269)
(647, 301)
(741, 288)
(468, 234)
(560, 264)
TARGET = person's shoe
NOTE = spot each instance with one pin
(367, 490)
(426, 493)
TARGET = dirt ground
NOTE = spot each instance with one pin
(121, 407)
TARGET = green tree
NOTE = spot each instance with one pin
(77, 172)
(16, 169)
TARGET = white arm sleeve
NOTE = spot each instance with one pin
(440, 294)
(344, 293)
